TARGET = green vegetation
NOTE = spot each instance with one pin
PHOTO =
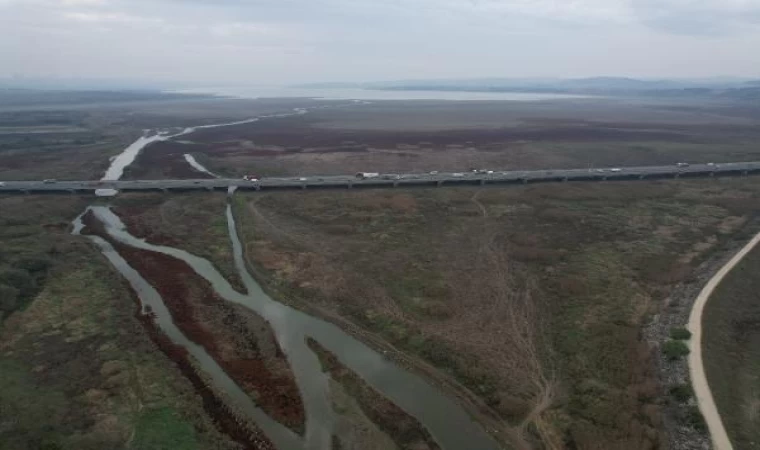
(675, 349)
(31, 417)
(77, 370)
(549, 284)
(163, 429)
(681, 392)
(680, 333)
(694, 418)
(731, 351)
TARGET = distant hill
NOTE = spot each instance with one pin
(729, 88)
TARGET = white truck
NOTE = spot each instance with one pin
(367, 175)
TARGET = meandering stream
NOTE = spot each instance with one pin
(447, 421)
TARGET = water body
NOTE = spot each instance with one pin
(368, 94)
(124, 159)
(198, 166)
(448, 423)
(150, 300)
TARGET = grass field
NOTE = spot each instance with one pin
(455, 136)
(77, 371)
(731, 351)
(532, 297)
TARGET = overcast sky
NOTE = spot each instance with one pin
(290, 41)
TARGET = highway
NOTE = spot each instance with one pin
(388, 180)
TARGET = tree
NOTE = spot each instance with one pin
(675, 349)
(680, 333)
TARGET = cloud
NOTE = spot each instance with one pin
(699, 17)
(113, 18)
(286, 41)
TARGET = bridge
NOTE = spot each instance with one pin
(432, 179)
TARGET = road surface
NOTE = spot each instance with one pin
(390, 180)
(696, 367)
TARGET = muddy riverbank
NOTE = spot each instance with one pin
(241, 342)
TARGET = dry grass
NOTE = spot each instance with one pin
(536, 305)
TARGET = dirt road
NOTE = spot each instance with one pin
(696, 367)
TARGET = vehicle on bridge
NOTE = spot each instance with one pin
(252, 178)
(366, 175)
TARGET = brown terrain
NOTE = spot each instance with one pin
(240, 341)
(528, 302)
(407, 137)
(165, 160)
(77, 368)
(533, 298)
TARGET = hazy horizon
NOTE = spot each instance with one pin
(237, 42)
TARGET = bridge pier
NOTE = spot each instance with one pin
(524, 180)
(350, 185)
(564, 179)
(209, 188)
(395, 184)
(72, 191)
(745, 172)
(165, 190)
(641, 177)
(482, 181)
(678, 175)
(439, 183)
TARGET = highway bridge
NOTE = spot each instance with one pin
(431, 179)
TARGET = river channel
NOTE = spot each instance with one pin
(446, 420)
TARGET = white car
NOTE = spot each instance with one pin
(434, 172)
(2, 183)
(457, 174)
(616, 170)
(302, 179)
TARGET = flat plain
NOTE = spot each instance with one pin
(527, 304)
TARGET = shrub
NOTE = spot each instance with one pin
(675, 349)
(19, 279)
(33, 264)
(681, 392)
(680, 333)
(8, 299)
(695, 419)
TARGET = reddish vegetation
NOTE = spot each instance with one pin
(164, 160)
(224, 417)
(300, 133)
(208, 320)
(130, 216)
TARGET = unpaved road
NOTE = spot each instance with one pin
(696, 367)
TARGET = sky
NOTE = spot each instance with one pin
(253, 42)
